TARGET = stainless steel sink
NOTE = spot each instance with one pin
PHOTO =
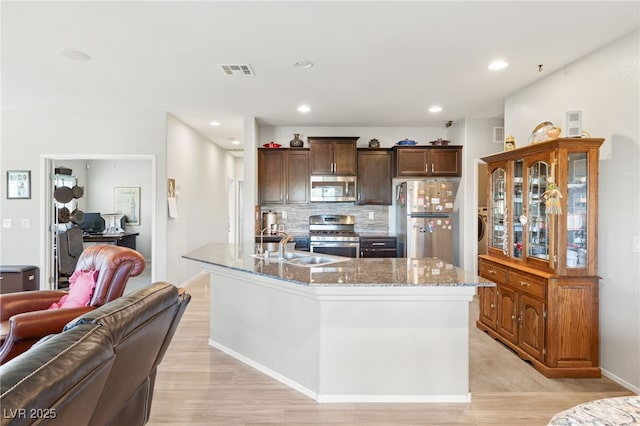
(302, 258)
(316, 260)
(291, 255)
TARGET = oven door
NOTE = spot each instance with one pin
(336, 248)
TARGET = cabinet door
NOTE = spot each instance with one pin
(344, 157)
(412, 162)
(445, 161)
(374, 177)
(321, 157)
(518, 210)
(577, 251)
(537, 228)
(497, 220)
(508, 314)
(531, 333)
(297, 177)
(271, 166)
(488, 308)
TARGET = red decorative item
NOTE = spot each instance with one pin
(272, 145)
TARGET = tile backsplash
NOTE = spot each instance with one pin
(297, 220)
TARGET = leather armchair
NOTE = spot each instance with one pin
(25, 318)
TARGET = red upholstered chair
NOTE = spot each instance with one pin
(25, 317)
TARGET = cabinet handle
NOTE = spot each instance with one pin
(493, 306)
(525, 284)
(492, 272)
(377, 244)
(432, 168)
(513, 317)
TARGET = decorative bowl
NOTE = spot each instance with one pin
(406, 142)
(440, 141)
(272, 145)
(539, 134)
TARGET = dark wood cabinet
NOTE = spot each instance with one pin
(283, 176)
(374, 176)
(330, 155)
(428, 161)
(378, 247)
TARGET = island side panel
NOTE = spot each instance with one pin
(266, 324)
(396, 350)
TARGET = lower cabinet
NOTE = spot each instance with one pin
(378, 247)
(547, 320)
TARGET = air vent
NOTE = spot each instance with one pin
(237, 69)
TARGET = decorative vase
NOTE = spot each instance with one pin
(296, 142)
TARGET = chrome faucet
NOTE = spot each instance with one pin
(261, 250)
(282, 245)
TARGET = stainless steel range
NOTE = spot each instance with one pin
(334, 234)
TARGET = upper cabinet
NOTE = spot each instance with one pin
(543, 208)
(283, 176)
(330, 155)
(374, 176)
(428, 161)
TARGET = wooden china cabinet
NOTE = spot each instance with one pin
(544, 261)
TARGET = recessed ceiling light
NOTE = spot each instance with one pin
(498, 65)
(435, 108)
(304, 108)
(303, 64)
(75, 55)
(235, 142)
(214, 123)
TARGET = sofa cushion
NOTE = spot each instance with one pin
(58, 380)
(138, 323)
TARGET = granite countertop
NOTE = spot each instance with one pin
(383, 272)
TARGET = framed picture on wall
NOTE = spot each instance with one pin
(18, 184)
(127, 201)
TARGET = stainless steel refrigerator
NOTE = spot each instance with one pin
(424, 218)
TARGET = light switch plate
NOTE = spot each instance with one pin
(6, 223)
(371, 215)
(635, 245)
(25, 223)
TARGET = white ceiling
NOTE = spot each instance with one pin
(375, 63)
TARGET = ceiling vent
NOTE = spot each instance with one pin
(237, 69)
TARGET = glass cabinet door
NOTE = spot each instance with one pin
(577, 210)
(497, 228)
(536, 223)
(517, 210)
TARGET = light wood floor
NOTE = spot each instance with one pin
(197, 384)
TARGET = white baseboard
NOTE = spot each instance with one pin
(620, 381)
(265, 370)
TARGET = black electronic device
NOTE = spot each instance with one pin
(93, 223)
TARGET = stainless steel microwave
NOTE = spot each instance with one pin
(331, 188)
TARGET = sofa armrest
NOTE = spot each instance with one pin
(27, 301)
(35, 325)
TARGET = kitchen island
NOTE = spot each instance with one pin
(354, 330)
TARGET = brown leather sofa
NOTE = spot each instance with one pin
(101, 369)
(24, 318)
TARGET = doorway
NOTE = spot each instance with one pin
(100, 176)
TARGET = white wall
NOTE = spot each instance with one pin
(477, 137)
(604, 86)
(388, 136)
(201, 170)
(105, 175)
(30, 136)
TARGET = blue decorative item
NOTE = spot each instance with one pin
(406, 142)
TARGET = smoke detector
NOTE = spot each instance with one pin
(237, 69)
